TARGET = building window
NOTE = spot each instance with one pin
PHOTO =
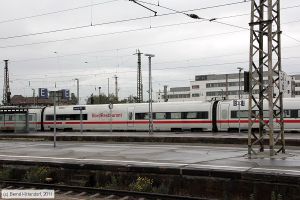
(195, 87)
(210, 85)
(196, 95)
(201, 78)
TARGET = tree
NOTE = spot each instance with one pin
(103, 99)
(73, 99)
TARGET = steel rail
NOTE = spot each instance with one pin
(101, 191)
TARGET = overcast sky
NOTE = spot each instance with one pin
(183, 47)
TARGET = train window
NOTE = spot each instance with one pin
(241, 114)
(234, 114)
(140, 116)
(130, 115)
(49, 117)
(244, 113)
(286, 113)
(66, 117)
(202, 115)
(22, 118)
(266, 114)
(60, 117)
(146, 116)
(176, 115)
(1, 117)
(9, 118)
(294, 113)
(168, 115)
(32, 117)
(191, 115)
(160, 115)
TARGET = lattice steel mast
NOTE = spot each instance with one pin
(6, 89)
(139, 78)
(116, 87)
(265, 57)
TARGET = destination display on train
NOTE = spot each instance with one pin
(107, 115)
(79, 108)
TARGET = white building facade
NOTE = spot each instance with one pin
(220, 86)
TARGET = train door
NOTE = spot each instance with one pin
(130, 119)
(214, 116)
(33, 122)
(223, 116)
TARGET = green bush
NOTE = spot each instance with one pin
(142, 184)
(115, 183)
(5, 173)
(37, 174)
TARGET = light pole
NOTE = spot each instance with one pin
(76, 79)
(99, 94)
(108, 88)
(150, 95)
(54, 118)
(33, 91)
(222, 93)
(239, 102)
(240, 69)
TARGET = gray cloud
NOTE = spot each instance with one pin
(113, 54)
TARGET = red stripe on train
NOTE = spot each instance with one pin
(166, 122)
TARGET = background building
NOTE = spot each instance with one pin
(207, 87)
(47, 100)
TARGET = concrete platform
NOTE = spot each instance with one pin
(212, 166)
(292, 139)
(182, 157)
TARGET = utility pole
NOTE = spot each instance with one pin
(226, 87)
(6, 89)
(76, 79)
(265, 56)
(150, 95)
(99, 94)
(139, 78)
(108, 88)
(239, 102)
(165, 93)
(33, 95)
(116, 86)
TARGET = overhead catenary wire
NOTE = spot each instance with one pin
(293, 38)
(138, 29)
(106, 23)
(154, 69)
(289, 7)
(163, 62)
(131, 47)
(203, 18)
(102, 34)
(56, 12)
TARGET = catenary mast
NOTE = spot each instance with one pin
(265, 57)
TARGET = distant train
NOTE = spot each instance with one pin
(168, 116)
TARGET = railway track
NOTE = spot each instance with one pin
(63, 192)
